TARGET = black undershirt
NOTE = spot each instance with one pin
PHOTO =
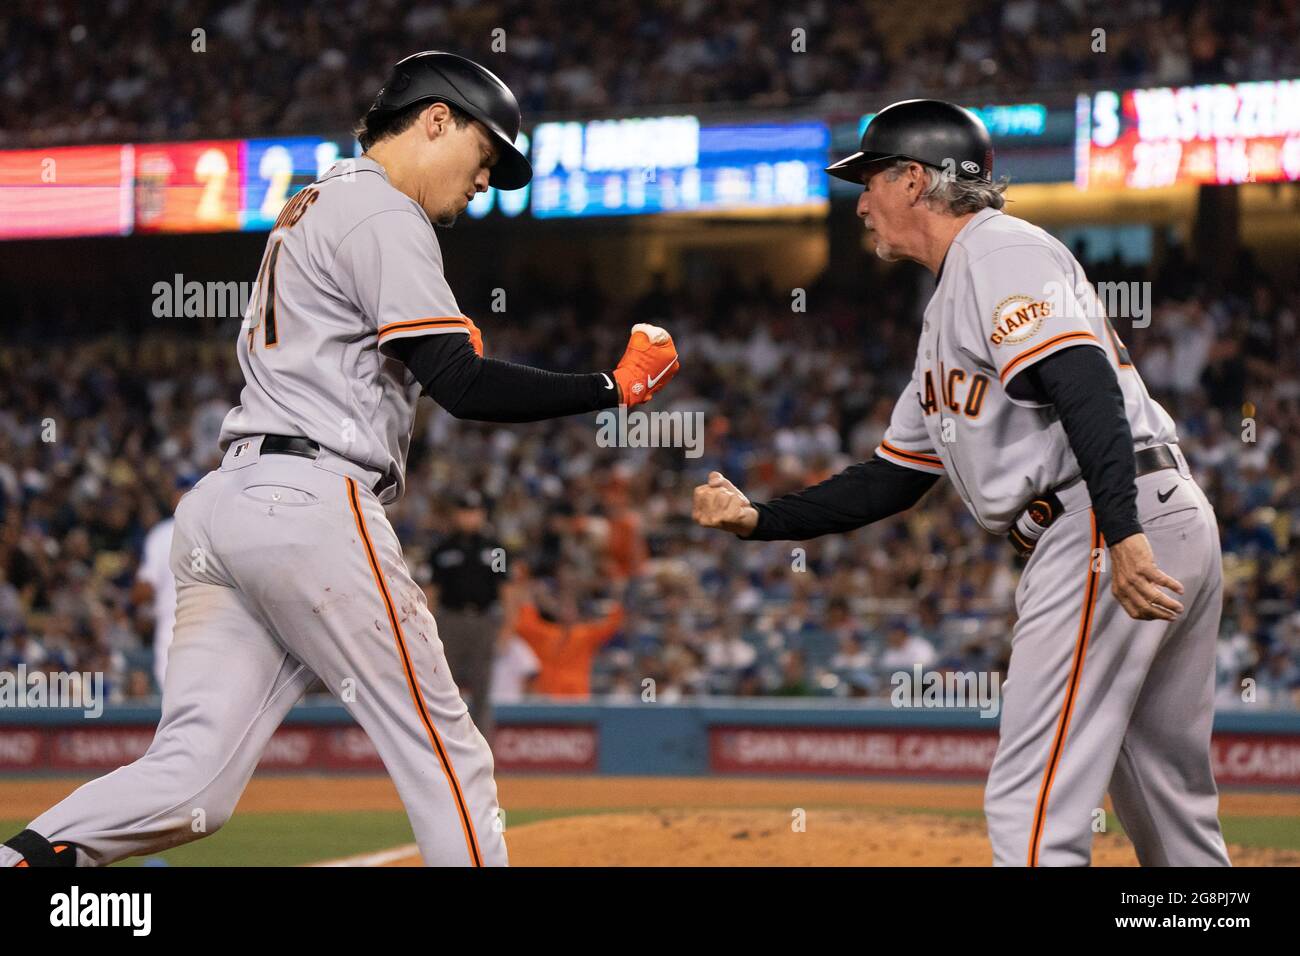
(857, 496)
(1079, 382)
(488, 390)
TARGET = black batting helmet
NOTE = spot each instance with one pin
(448, 78)
(930, 132)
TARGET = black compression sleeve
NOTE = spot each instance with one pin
(487, 390)
(857, 496)
(1082, 385)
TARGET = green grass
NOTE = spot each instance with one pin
(1278, 833)
(292, 839)
(283, 839)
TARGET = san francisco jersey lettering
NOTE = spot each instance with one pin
(1009, 295)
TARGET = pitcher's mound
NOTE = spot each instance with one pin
(773, 838)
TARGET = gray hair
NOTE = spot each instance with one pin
(947, 193)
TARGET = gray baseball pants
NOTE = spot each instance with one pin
(1095, 701)
(287, 569)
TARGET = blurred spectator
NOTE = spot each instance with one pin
(90, 73)
(514, 669)
(565, 644)
(852, 654)
(703, 613)
(156, 585)
(794, 676)
(904, 650)
(727, 651)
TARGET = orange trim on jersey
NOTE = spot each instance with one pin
(471, 841)
(1071, 692)
(413, 325)
(910, 457)
(1038, 349)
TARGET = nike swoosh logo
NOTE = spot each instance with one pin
(1164, 495)
(650, 382)
(608, 383)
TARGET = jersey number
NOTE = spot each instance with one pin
(289, 216)
(1121, 350)
(270, 334)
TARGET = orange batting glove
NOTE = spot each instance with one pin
(649, 364)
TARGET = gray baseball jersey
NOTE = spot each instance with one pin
(287, 567)
(1093, 701)
(351, 265)
(1009, 295)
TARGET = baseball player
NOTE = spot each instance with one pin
(1026, 399)
(287, 568)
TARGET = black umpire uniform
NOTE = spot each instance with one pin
(468, 568)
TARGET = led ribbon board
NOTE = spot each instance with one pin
(1220, 134)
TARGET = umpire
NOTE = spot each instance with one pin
(469, 615)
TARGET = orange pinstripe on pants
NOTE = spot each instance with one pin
(471, 841)
(1071, 692)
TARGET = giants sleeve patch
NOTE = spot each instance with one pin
(1018, 318)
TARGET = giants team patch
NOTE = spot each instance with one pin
(1018, 318)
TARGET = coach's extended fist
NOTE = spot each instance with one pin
(720, 504)
(649, 364)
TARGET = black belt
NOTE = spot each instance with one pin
(305, 448)
(1155, 458)
(289, 445)
(1043, 510)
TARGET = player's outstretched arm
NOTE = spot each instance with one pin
(857, 496)
(453, 372)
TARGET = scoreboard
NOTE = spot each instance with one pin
(675, 164)
(66, 191)
(224, 185)
(598, 168)
(1131, 139)
(206, 186)
(275, 169)
(1219, 134)
(187, 187)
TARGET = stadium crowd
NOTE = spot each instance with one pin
(98, 436)
(158, 69)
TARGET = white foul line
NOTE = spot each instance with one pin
(382, 858)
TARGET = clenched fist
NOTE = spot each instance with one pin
(649, 364)
(720, 504)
